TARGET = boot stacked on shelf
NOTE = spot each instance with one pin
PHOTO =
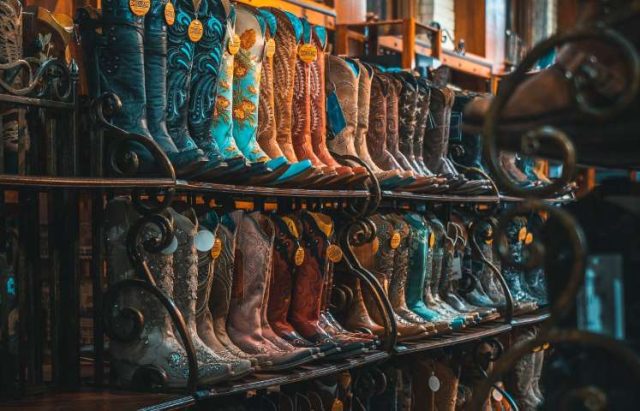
(255, 99)
(254, 290)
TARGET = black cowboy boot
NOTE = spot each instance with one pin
(155, 71)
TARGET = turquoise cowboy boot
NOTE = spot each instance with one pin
(418, 248)
(187, 92)
(221, 129)
(185, 162)
(247, 66)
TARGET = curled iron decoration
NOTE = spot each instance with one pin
(360, 232)
(536, 251)
(123, 160)
(52, 79)
(136, 319)
(371, 204)
(532, 141)
(508, 309)
(556, 336)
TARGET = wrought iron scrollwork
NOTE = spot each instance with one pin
(473, 235)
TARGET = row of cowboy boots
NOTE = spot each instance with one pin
(254, 290)
(523, 380)
(226, 90)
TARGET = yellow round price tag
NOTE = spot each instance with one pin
(522, 234)
(395, 240)
(307, 52)
(169, 14)
(195, 30)
(270, 48)
(334, 253)
(140, 7)
(216, 249)
(233, 45)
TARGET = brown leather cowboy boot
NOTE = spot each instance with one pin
(398, 284)
(301, 109)
(220, 298)
(377, 131)
(206, 263)
(319, 109)
(287, 256)
(287, 39)
(327, 321)
(245, 323)
(360, 136)
(306, 302)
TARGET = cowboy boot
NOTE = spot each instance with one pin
(287, 256)
(185, 268)
(519, 382)
(537, 374)
(418, 245)
(306, 301)
(155, 68)
(356, 317)
(423, 183)
(319, 110)
(422, 118)
(464, 148)
(588, 75)
(187, 98)
(391, 141)
(434, 273)
(206, 263)
(113, 48)
(245, 323)
(377, 132)
(157, 349)
(383, 268)
(327, 321)
(301, 112)
(407, 116)
(516, 233)
(436, 144)
(296, 173)
(287, 37)
(397, 286)
(221, 129)
(386, 178)
(221, 287)
(246, 86)
(436, 384)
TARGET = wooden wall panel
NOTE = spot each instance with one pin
(470, 23)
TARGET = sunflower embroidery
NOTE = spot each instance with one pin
(239, 114)
(240, 70)
(248, 39)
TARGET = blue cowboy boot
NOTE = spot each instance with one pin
(247, 66)
(155, 68)
(113, 46)
(418, 248)
(185, 111)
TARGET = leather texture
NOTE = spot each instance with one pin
(393, 120)
(155, 69)
(343, 79)
(284, 68)
(422, 119)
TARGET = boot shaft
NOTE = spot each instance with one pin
(247, 67)
(342, 82)
(267, 133)
(364, 101)
(287, 39)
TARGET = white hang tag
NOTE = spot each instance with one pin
(434, 383)
(204, 240)
(172, 247)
